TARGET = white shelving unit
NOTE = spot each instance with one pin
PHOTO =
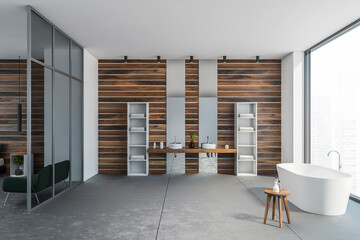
(138, 139)
(246, 141)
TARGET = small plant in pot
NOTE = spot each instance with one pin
(19, 161)
(192, 144)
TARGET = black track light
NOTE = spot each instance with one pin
(191, 59)
(158, 59)
(257, 59)
(125, 59)
(224, 59)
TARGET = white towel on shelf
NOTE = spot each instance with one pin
(246, 157)
(137, 115)
(137, 129)
(246, 115)
(246, 129)
(137, 157)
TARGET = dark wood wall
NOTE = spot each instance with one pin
(191, 113)
(145, 81)
(247, 81)
(119, 83)
(15, 142)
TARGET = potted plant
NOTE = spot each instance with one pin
(192, 144)
(19, 161)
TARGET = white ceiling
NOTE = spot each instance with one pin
(178, 29)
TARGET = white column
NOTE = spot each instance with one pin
(292, 108)
(90, 115)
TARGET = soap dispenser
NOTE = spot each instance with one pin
(276, 188)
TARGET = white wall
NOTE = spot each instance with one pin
(90, 115)
(292, 108)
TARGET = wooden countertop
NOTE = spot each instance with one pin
(192, 150)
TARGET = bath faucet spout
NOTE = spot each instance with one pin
(340, 164)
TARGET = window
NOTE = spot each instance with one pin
(335, 105)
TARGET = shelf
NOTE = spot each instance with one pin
(192, 150)
(246, 145)
(137, 131)
(137, 160)
(250, 160)
(137, 145)
(137, 117)
(247, 117)
(246, 174)
(246, 131)
(137, 174)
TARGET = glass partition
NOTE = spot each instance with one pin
(61, 126)
(56, 110)
(61, 52)
(76, 131)
(76, 61)
(41, 132)
(41, 39)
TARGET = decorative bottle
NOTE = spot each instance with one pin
(161, 145)
(276, 186)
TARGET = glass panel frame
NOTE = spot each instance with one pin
(51, 67)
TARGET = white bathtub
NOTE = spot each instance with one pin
(316, 189)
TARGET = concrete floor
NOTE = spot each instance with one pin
(201, 206)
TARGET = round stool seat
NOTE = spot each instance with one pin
(282, 193)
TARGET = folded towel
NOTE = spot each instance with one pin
(246, 115)
(246, 157)
(139, 115)
(137, 129)
(246, 129)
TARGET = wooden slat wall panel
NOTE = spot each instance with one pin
(9, 96)
(37, 116)
(119, 83)
(247, 81)
(191, 113)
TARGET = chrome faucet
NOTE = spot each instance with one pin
(340, 164)
(207, 139)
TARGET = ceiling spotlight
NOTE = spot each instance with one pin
(224, 59)
(125, 59)
(191, 59)
(158, 59)
(257, 59)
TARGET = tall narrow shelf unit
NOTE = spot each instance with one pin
(137, 139)
(246, 138)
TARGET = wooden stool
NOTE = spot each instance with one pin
(282, 194)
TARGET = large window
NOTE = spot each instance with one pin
(335, 104)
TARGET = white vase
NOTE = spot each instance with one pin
(276, 188)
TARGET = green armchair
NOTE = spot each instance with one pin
(40, 181)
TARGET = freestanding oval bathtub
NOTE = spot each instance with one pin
(316, 189)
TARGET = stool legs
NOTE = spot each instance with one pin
(268, 203)
(273, 209)
(267, 207)
(287, 209)
(280, 212)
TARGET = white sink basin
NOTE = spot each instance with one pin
(175, 145)
(208, 145)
